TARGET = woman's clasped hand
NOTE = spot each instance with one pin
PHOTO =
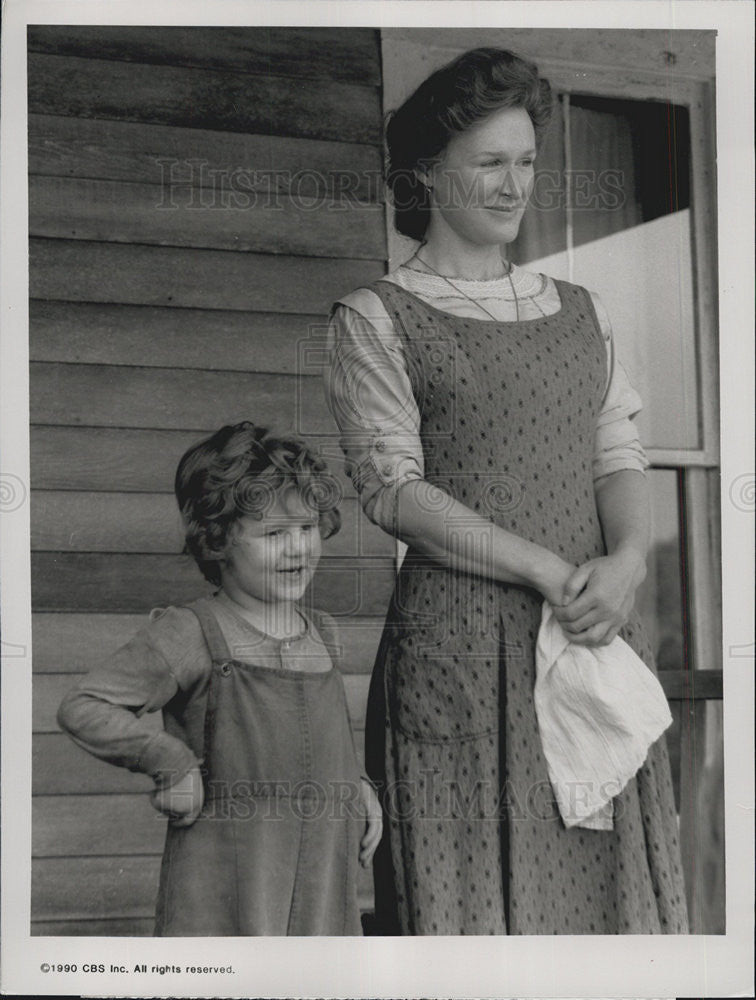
(598, 597)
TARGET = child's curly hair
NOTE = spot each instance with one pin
(237, 472)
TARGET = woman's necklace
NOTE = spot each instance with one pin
(469, 297)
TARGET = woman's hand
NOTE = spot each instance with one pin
(181, 802)
(374, 822)
(599, 597)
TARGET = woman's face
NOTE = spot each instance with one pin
(482, 185)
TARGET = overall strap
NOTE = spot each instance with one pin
(211, 630)
(219, 653)
(571, 295)
(388, 292)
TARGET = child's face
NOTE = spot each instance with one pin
(273, 558)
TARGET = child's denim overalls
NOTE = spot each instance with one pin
(275, 849)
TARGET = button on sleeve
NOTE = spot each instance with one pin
(370, 396)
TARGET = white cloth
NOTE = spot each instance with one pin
(599, 710)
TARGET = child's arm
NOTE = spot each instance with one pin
(103, 713)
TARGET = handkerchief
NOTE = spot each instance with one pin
(599, 710)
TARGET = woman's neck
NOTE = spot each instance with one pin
(454, 259)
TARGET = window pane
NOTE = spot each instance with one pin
(627, 165)
(659, 598)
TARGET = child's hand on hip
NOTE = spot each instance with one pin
(181, 802)
(374, 821)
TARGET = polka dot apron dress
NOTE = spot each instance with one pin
(473, 841)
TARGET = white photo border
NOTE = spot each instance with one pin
(379, 967)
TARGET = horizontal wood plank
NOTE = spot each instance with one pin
(68, 643)
(132, 460)
(81, 825)
(327, 53)
(122, 212)
(73, 581)
(642, 50)
(119, 887)
(172, 399)
(110, 927)
(184, 161)
(67, 521)
(82, 271)
(692, 685)
(49, 690)
(135, 927)
(154, 336)
(212, 99)
(75, 643)
(92, 888)
(59, 767)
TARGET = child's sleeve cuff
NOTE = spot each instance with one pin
(166, 760)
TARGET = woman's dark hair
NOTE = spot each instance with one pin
(450, 101)
(238, 472)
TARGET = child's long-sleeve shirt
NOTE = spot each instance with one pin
(167, 666)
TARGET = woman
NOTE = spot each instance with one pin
(486, 426)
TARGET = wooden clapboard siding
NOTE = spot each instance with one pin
(102, 884)
(121, 212)
(82, 271)
(49, 690)
(93, 825)
(170, 398)
(186, 160)
(67, 521)
(59, 767)
(149, 328)
(203, 98)
(128, 459)
(105, 927)
(306, 53)
(81, 825)
(210, 339)
(76, 642)
(87, 888)
(137, 582)
(62, 768)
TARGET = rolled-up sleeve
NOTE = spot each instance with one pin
(617, 444)
(370, 397)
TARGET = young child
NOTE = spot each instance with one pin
(255, 766)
